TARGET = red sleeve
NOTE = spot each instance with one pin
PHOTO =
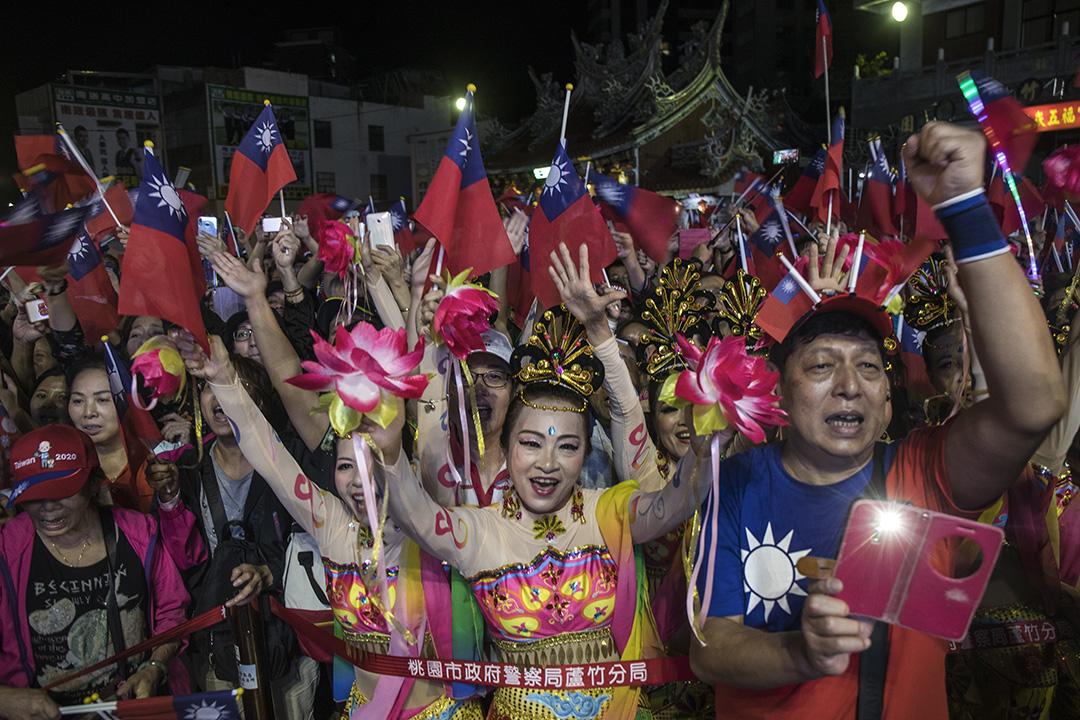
(919, 475)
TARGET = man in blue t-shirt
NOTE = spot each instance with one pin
(778, 645)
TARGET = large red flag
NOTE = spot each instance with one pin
(118, 199)
(875, 209)
(159, 276)
(651, 218)
(459, 208)
(260, 167)
(799, 197)
(566, 214)
(830, 182)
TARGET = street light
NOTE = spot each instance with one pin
(460, 104)
(899, 12)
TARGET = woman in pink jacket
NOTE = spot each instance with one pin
(75, 577)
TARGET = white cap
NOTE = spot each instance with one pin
(497, 344)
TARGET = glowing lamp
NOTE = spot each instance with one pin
(460, 104)
(899, 12)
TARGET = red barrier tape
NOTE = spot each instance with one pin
(987, 636)
(208, 618)
(554, 677)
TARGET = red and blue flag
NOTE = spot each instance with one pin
(162, 271)
(260, 167)
(566, 214)
(29, 236)
(403, 234)
(651, 218)
(829, 184)
(784, 306)
(801, 195)
(459, 209)
(822, 40)
(875, 209)
(216, 705)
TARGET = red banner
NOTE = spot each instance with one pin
(1058, 116)
(552, 677)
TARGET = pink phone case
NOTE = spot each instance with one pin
(886, 565)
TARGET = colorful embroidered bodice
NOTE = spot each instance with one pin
(557, 592)
(351, 600)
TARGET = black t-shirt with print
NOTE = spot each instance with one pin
(69, 627)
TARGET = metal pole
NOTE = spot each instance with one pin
(252, 663)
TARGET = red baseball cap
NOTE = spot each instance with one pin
(51, 463)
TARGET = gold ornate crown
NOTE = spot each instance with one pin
(558, 353)
(674, 308)
(929, 304)
(740, 301)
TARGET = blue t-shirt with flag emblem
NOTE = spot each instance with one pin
(767, 522)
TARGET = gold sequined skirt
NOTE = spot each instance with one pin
(442, 709)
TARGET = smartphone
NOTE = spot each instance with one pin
(271, 224)
(894, 559)
(208, 225)
(381, 227)
(37, 311)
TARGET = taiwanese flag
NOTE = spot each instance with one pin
(1007, 127)
(260, 167)
(651, 218)
(403, 234)
(829, 184)
(54, 168)
(899, 206)
(29, 236)
(566, 214)
(746, 182)
(216, 705)
(770, 235)
(459, 208)
(90, 289)
(324, 206)
(161, 238)
(1004, 205)
(513, 200)
(800, 196)
(118, 199)
(918, 382)
(875, 210)
(784, 306)
(822, 40)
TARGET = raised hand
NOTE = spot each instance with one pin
(944, 161)
(216, 369)
(578, 294)
(246, 283)
(827, 277)
(516, 225)
(209, 244)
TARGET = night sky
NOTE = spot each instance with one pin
(487, 43)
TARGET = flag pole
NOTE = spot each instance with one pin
(803, 285)
(787, 228)
(82, 162)
(828, 220)
(565, 113)
(853, 273)
(742, 243)
(588, 167)
(828, 116)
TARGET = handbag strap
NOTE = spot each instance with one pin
(874, 662)
(212, 493)
(112, 606)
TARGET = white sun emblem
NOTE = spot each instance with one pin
(264, 136)
(397, 220)
(771, 232)
(611, 194)
(819, 163)
(166, 194)
(769, 573)
(555, 178)
(466, 141)
(206, 712)
(788, 286)
(79, 249)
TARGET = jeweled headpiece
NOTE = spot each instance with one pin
(558, 353)
(676, 307)
(740, 300)
(929, 305)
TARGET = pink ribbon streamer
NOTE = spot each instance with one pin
(713, 520)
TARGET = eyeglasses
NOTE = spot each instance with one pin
(241, 335)
(494, 379)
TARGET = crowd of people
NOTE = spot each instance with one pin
(551, 501)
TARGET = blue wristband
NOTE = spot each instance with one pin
(973, 229)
